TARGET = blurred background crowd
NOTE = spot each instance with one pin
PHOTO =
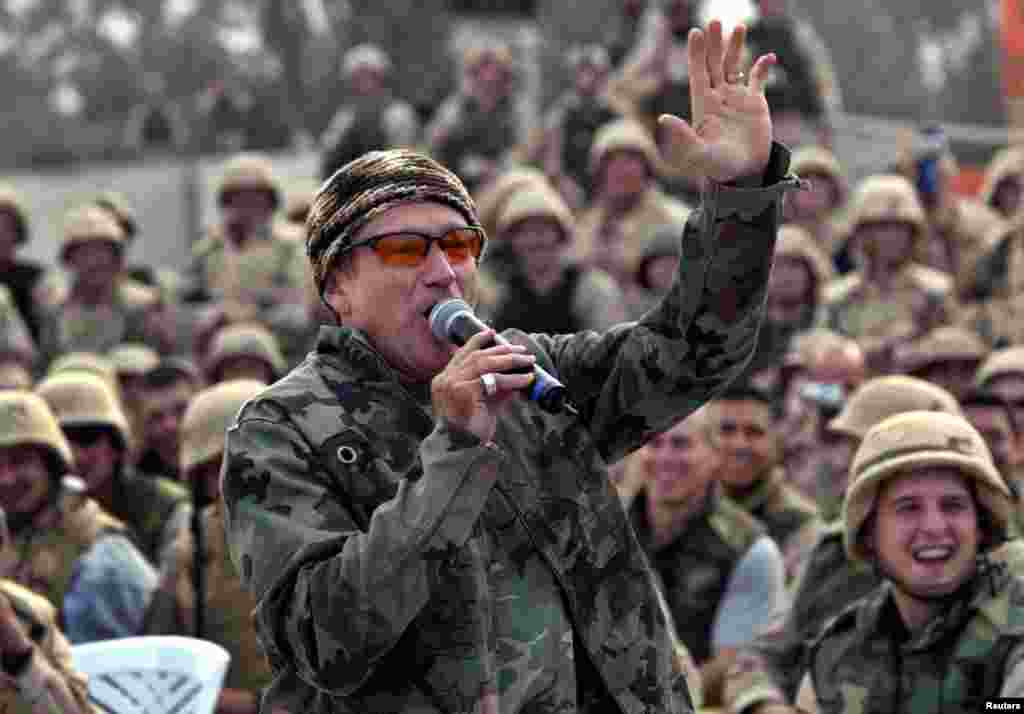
(161, 162)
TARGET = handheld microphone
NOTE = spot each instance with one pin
(453, 320)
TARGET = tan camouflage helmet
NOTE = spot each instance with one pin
(117, 205)
(244, 340)
(208, 417)
(796, 242)
(624, 135)
(536, 202)
(88, 362)
(249, 172)
(82, 399)
(90, 223)
(25, 418)
(913, 440)
(814, 159)
(365, 56)
(14, 375)
(12, 203)
(493, 197)
(1001, 362)
(883, 397)
(487, 50)
(887, 197)
(943, 344)
(133, 359)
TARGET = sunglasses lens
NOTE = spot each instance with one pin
(84, 435)
(402, 249)
(462, 244)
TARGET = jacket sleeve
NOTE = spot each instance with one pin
(334, 598)
(638, 379)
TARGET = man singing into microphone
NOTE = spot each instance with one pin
(422, 538)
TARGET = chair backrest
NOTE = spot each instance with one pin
(153, 675)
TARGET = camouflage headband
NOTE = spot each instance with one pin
(367, 187)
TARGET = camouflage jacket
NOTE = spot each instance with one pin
(696, 566)
(39, 618)
(770, 669)
(788, 517)
(402, 565)
(865, 661)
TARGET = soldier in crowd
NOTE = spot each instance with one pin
(812, 93)
(722, 576)
(946, 356)
(574, 119)
(244, 351)
(155, 124)
(818, 209)
(943, 632)
(959, 227)
(38, 674)
(17, 349)
(131, 363)
(994, 419)
(749, 453)
(200, 593)
(624, 30)
(800, 273)
(96, 310)
(767, 674)
(890, 299)
(547, 290)
(1002, 188)
(167, 390)
(1002, 373)
(94, 424)
(20, 277)
(628, 201)
(474, 129)
(64, 546)
(249, 264)
(655, 271)
(371, 117)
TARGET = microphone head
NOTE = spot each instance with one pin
(442, 314)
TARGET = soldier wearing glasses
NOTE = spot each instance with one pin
(420, 539)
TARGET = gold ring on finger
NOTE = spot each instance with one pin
(737, 78)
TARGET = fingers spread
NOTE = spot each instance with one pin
(715, 53)
(696, 48)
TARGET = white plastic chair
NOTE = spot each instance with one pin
(153, 675)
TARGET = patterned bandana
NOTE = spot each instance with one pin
(367, 187)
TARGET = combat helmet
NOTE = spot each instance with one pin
(882, 397)
(915, 440)
(244, 340)
(133, 359)
(943, 344)
(25, 418)
(365, 56)
(12, 202)
(624, 135)
(536, 202)
(249, 172)
(208, 417)
(82, 399)
(116, 204)
(1001, 362)
(87, 224)
(887, 197)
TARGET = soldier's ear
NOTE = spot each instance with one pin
(336, 295)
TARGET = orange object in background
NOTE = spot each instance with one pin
(1011, 30)
(968, 181)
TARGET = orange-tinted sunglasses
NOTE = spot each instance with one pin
(410, 249)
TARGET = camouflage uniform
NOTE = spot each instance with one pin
(16, 343)
(68, 325)
(227, 606)
(918, 299)
(152, 509)
(581, 299)
(975, 649)
(769, 670)
(38, 617)
(628, 231)
(695, 568)
(403, 565)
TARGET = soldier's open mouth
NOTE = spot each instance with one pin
(933, 554)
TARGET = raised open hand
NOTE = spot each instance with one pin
(731, 134)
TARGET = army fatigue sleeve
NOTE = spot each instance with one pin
(335, 598)
(638, 379)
